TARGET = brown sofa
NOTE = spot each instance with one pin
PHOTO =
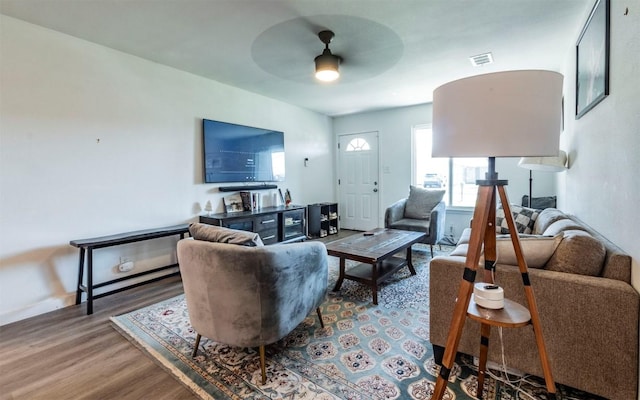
(588, 309)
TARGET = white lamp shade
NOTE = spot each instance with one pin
(502, 114)
(549, 164)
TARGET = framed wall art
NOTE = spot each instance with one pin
(592, 59)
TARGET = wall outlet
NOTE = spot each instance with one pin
(125, 266)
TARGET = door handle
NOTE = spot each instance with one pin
(375, 190)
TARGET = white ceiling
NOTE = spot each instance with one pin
(395, 51)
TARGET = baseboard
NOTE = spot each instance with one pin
(38, 308)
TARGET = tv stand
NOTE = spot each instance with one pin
(257, 186)
(280, 224)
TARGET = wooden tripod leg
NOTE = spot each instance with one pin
(484, 202)
(528, 291)
(455, 332)
(263, 363)
(485, 332)
(490, 254)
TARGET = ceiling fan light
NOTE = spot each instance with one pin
(327, 75)
(327, 67)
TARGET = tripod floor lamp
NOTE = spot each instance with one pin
(503, 114)
(548, 164)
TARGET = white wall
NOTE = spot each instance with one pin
(394, 136)
(97, 142)
(394, 127)
(602, 186)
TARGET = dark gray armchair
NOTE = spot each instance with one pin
(430, 220)
(246, 294)
(539, 203)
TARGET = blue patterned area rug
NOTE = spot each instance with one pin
(364, 351)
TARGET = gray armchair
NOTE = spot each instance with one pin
(539, 203)
(430, 220)
(251, 296)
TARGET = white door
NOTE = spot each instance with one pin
(358, 181)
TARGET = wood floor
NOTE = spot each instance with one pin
(66, 354)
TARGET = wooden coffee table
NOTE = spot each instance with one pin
(375, 250)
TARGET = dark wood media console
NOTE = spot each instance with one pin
(279, 224)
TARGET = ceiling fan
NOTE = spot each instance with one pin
(327, 64)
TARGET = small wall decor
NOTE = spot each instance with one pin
(592, 59)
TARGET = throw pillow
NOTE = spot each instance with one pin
(211, 233)
(537, 250)
(523, 217)
(562, 225)
(460, 250)
(547, 217)
(464, 237)
(578, 253)
(421, 202)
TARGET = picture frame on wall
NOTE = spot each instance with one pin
(592, 59)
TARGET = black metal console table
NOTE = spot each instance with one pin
(88, 245)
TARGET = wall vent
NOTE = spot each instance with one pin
(481, 59)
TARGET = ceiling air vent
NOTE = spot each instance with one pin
(481, 59)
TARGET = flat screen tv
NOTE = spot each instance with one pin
(238, 153)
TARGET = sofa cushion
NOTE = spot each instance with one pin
(523, 217)
(460, 250)
(547, 217)
(211, 233)
(421, 201)
(465, 236)
(417, 225)
(537, 250)
(578, 253)
(563, 225)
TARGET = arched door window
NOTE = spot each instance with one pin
(358, 144)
